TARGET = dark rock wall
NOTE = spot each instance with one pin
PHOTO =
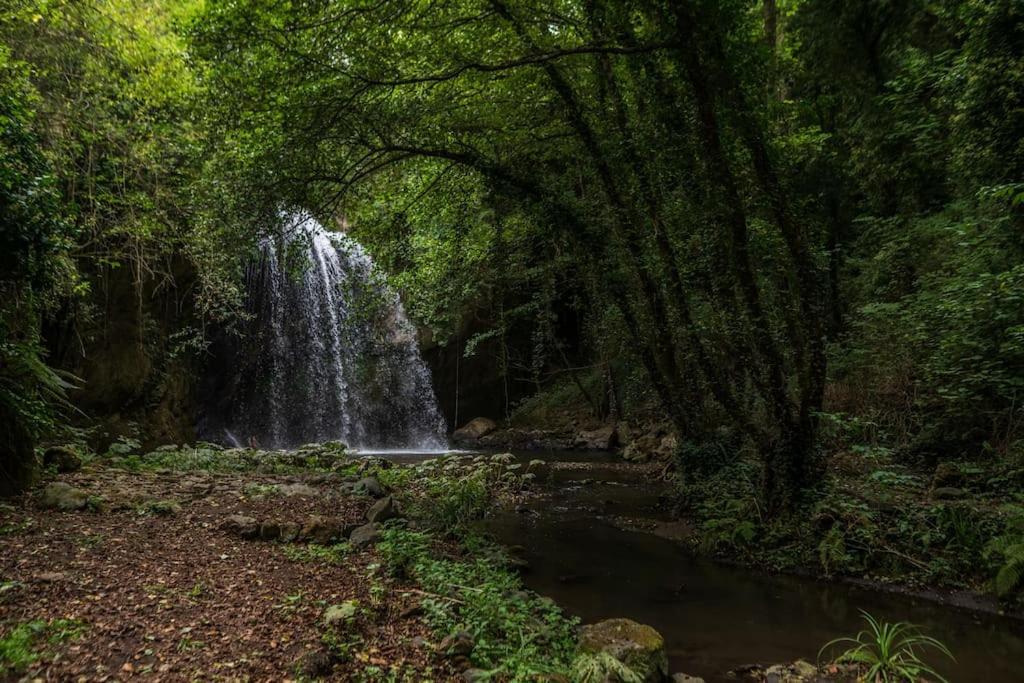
(121, 344)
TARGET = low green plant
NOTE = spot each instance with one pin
(889, 653)
(1008, 550)
(601, 667)
(732, 524)
(329, 554)
(518, 635)
(291, 602)
(258, 491)
(832, 550)
(188, 644)
(25, 644)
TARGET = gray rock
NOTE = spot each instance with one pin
(383, 510)
(638, 646)
(322, 530)
(474, 429)
(365, 535)
(601, 439)
(337, 615)
(243, 526)
(315, 664)
(297, 490)
(61, 496)
(369, 486)
(948, 493)
(804, 669)
(64, 459)
(458, 644)
(290, 532)
(270, 531)
(948, 475)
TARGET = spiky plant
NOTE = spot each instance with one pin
(889, 653)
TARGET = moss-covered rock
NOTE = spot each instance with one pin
(638, 646)
(61, 496)
(62, 458)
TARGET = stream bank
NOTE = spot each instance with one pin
(588, 548)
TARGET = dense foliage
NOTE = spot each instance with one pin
(758, 220)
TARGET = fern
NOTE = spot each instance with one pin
(601, 667)
(1009, 575)
(1009, 547)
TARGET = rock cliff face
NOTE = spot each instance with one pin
(122, 344)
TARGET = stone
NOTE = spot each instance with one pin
(62, 458)
(374, 462)
(804, 669)
(601, 439)
(638, 646)
(321, 530)
(474, 429)
(337, 615)
(303, 490)
(270, 531)
(638, 451)
(369, 486)
(315, 664)
(948, 493)
(458, 644)
(61, 496)
(243, 526)
(289, 532)
(367, 534)
(383, 510)
(686, 678)
(947, 474)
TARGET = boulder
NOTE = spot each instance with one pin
(601, 439)
(62, 458)
(458, 644)
(243, 526)
(338, 615)
(638, 450)
(290, 532)
(474, 429)
(364, 535)
(61, 496)
(948, 493)
(638, 646)
(369, 486)
(303, 490)
(321, 530)
(383, 510)
(270, 531)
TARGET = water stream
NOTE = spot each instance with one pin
(714, 617)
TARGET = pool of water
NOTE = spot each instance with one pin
(714, 617)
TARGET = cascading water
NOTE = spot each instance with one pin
(329, 354)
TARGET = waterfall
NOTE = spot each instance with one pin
(329, 352)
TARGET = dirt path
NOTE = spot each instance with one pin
(163, 592)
